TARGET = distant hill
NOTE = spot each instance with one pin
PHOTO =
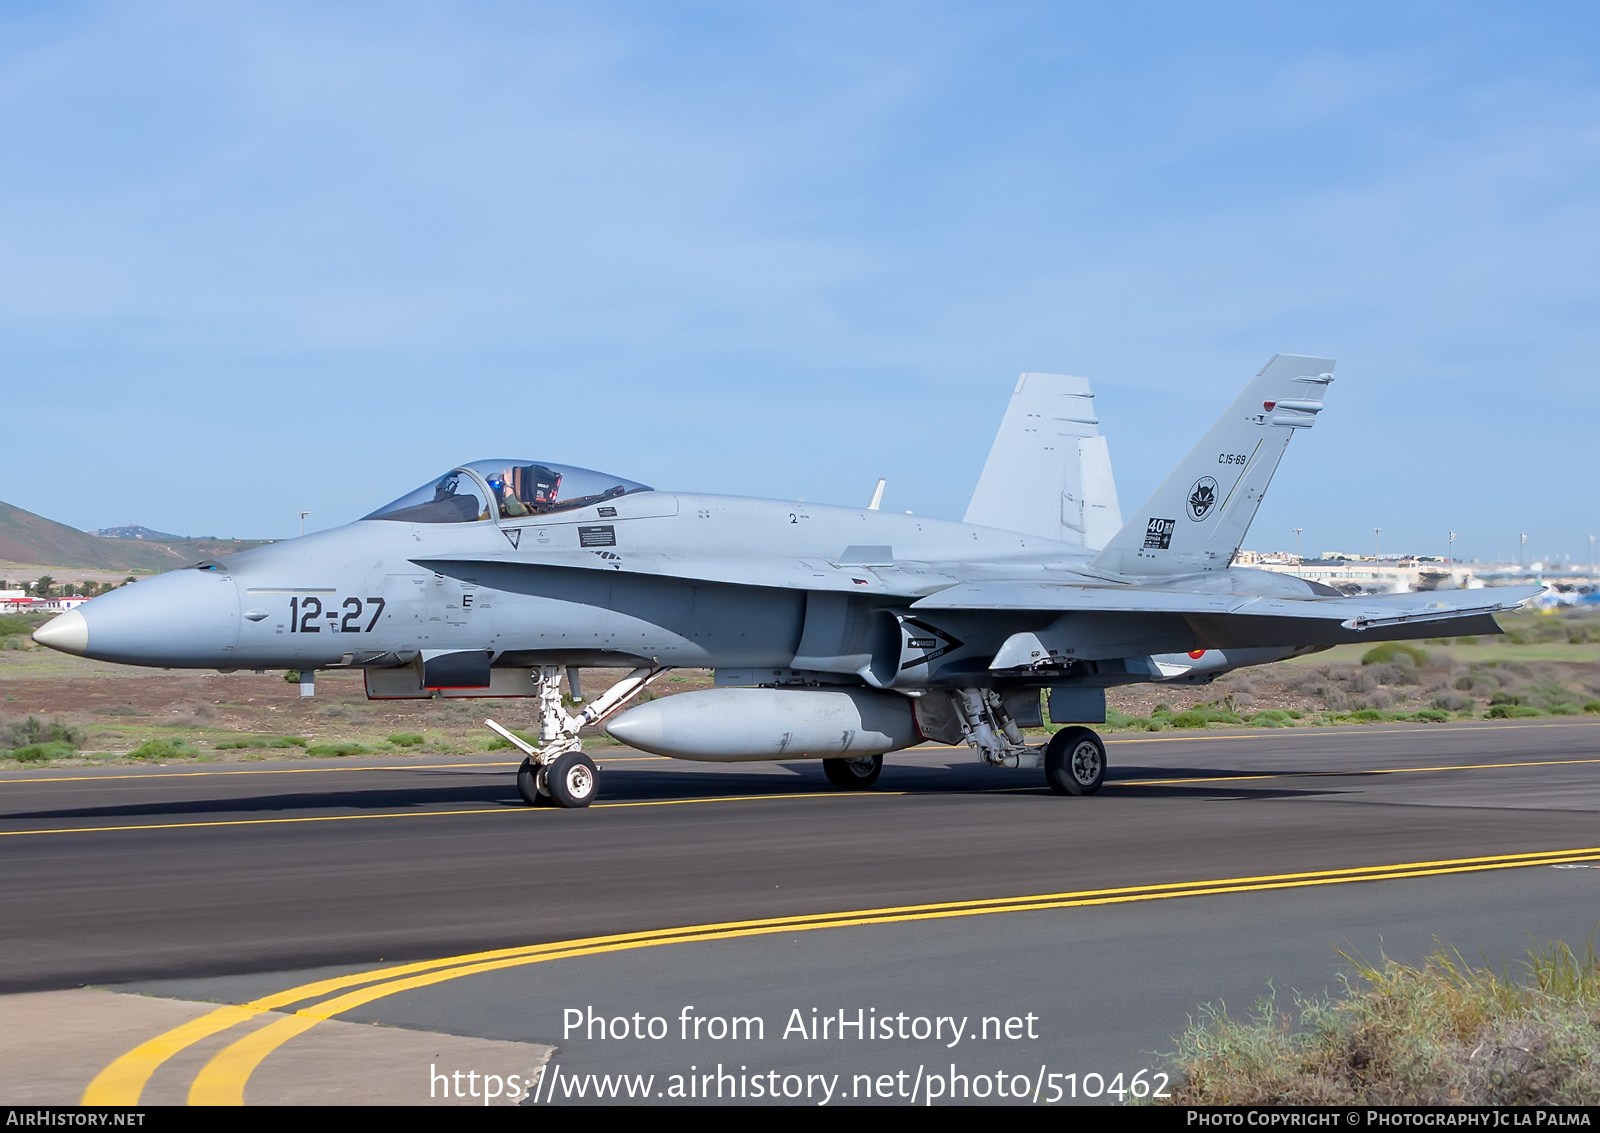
(33, 539)
(136, 532)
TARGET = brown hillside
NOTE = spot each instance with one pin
(29, 538)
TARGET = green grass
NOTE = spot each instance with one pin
(263, 741)
(406, 739)
(1441, 1033)
(499, 743)
(1201, 716)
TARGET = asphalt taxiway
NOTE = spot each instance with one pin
(421, 894)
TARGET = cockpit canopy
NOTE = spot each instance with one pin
(509, 489)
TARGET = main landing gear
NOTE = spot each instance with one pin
(1074, 760)
(853, 774)
(557, 773)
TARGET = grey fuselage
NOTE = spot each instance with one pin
(764, 590)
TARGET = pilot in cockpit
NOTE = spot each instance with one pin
(505, 492)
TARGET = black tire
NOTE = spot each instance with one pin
(528, 784)
(572, 780)
(1074, 762)
(853, 774)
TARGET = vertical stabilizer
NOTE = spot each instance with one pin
(1198, 517)
(1049, 472)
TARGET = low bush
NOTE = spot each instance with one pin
(1592, 707)
(1200, 717)
(262, 741)
(1114, 719)
(1441, 1033)
(1389, 651)
(1273, 718)
(338, 749)
(1512, 711)
(32, 731)
(42, 753)
(163, 750)
(405, 739)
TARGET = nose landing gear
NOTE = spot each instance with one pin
(557, 773)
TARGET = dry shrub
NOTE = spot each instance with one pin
(1443, 1033)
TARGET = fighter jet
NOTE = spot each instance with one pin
(834, 633)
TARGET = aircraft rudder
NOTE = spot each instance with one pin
(1048, 472)
(1197, 518)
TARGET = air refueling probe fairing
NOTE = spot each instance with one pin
(837, 633)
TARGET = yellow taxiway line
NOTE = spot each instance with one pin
(306, 770)
(1346, 774)
(778, 795)
(447, 813)
(1367, 730)
(222, 1080)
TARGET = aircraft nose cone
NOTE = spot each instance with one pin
(182, 619)
(639, 727)
(68, 632)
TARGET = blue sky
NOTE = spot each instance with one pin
(260, 258)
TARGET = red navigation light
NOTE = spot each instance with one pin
(1268, 405)
(1197, 653)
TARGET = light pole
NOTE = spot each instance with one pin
(1377, 546)
(1591, 554)
(303, 521)
(1522, 548)
(1297, 531)
(1450, 555)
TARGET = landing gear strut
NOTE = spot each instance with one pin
(1074, 760)
(557, 773)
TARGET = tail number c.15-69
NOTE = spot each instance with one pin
(344, 618)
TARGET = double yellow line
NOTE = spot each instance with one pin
(222, 1080)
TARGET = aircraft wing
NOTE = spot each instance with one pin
(1364, 611)
(901, 580)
